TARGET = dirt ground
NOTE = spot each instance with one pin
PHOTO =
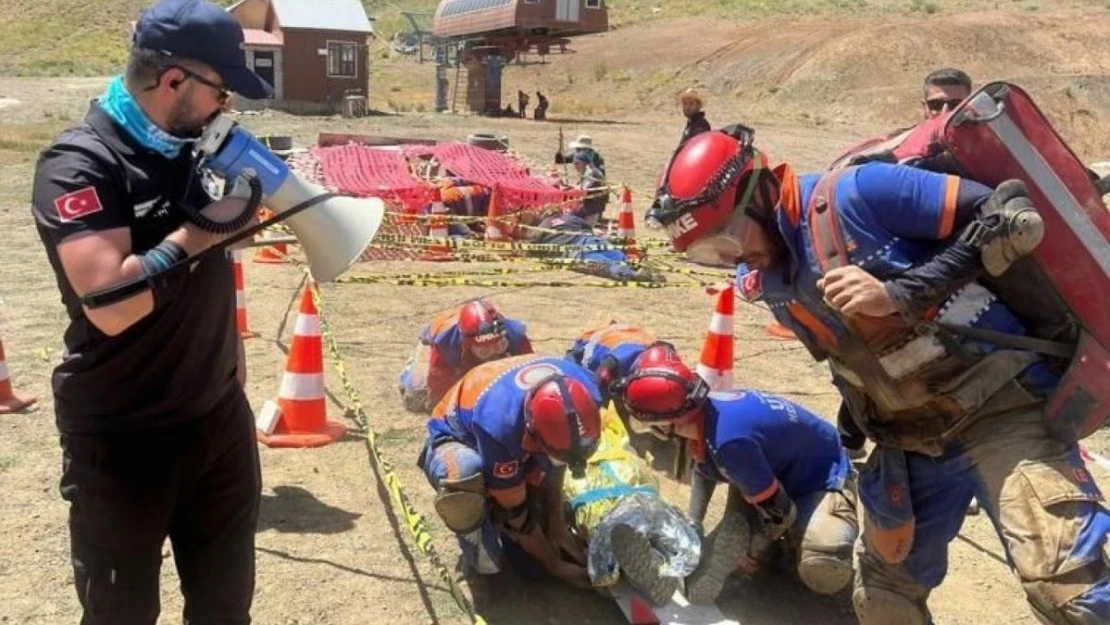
(331, 548)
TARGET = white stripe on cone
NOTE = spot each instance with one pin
(1095, 458)
(721, 324)
(239, 299)
(307, 325)
(717, 379)
(301, 386)
(3, 370)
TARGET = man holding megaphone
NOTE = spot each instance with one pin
(157, 434)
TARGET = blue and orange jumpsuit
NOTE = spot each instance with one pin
(479, 427)
(953, 418)
(441, 359)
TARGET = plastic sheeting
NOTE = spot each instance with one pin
(620, 489)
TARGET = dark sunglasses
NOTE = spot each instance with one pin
(224, 92)
(937, 104)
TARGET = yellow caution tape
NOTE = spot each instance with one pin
(413, 519)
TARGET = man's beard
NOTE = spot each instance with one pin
(184, 124)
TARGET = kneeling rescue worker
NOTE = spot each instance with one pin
(789, 477)
(455, 342)
(849, 263)
(613, 350)
(497, 448)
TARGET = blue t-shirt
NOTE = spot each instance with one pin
(892, 218)
(756, 440)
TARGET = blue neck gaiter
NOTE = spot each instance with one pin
(121, 106)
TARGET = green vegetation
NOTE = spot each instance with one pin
(90, 37)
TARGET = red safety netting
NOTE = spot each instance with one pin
(516, 188)
(364, 171)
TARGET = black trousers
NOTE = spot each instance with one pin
(198, 483)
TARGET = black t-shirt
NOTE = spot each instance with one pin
(179, 361)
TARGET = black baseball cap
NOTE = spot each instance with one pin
(202, 31)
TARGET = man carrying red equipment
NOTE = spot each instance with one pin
(896, 276)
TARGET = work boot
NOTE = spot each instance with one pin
(720, 554)
(640, 564)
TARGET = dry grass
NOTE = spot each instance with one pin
(329, 550)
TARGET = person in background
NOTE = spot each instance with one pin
(943, 91)
(693, 105)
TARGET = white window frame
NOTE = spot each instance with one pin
(340, 45)
(593, 4)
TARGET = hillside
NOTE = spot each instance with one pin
(90, 37)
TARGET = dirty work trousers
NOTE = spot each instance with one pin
(1039, 496)
(197, 482)
(826, 528)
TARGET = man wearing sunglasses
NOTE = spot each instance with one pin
(156, 432)
(944, 89)
(498, 446)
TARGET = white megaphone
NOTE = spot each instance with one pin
(333, 233)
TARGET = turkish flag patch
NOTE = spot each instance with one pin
(751, 285)
(505, 470)
(77, 204)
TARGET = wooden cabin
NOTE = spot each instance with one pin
(529, 19)
(314, 52)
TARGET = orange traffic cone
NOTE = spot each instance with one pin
(626, 225)
(715, 364)
(267, 254)
(494, 228)
(10, 400)
(241, 297)
(437, 229)
(303, 420)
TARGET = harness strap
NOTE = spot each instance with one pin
(827, 237)
(824, 224)
(619, 489)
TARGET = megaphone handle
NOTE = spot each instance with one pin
(124, 290)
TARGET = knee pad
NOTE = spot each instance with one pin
(878, 606)
(461, 503)
(825, 573)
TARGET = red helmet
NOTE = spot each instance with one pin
(483, 330)
(667, 392)
(655, 354)
(705, 183)
(561, 415)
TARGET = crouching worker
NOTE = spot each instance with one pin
(498, 445)
(612, 351)
(615, 351)
(790, 482)
(630, 531)
(453, 343)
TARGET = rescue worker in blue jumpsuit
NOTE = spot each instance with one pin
(846, 264)
(614, 352)
(497, 447)
(788, 475)
(454, 342)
